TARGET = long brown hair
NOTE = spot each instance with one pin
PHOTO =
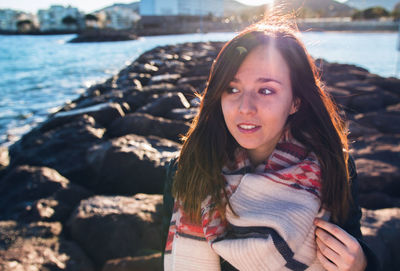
(208, 145)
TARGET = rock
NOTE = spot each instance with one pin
(377, 176)
(341, 96)
(378, 200)
(183, 114)
(165, 104)
(143, 68)
(101, 35)
(381, 231)
(38, 193)
(104, 114)
(385, 121)
(367, 102)
(380, 147)
(131, 164)
(39, 246)
(145, 124)
(142, 263)
(197, 82)
(390, 84)
(357, 130)
(63, 148)
(4, 158)
(110, 227)
(164, 78)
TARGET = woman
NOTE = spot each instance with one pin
(264, 167)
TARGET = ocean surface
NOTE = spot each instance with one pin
(38, 74)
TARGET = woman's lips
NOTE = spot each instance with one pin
(247, 128)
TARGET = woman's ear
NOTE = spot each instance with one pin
(295, 106)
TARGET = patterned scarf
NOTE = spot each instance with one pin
(273, 228)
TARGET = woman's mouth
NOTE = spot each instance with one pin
(248, 128)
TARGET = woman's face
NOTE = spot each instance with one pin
(258, 102)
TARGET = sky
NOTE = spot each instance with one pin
(86, 6)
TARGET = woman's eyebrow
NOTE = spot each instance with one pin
(266, 80)
(260, 80)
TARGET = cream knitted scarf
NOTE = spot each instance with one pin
(273, 229)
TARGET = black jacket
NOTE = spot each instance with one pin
(351, 225)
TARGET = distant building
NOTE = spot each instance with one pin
(181, 7)
(8, 19)
(117, 17)
(59, 18)
(17, 21)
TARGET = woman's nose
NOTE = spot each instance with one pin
(247, 104)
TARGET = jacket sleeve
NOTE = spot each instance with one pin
(168, 201)
(352, 223)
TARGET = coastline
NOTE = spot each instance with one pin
(77, 172)
(169, 27)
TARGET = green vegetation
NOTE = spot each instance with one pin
(370, 13)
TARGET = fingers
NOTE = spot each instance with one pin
(325, 262)
(338, 250)
(330, 242)
(337, 232)
(327, 251)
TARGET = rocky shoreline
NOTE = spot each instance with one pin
(82, 190)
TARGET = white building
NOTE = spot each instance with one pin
(181, 7)
(117, 18)
(10, 20)
(52, 18)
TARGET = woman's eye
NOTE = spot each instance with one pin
(265, 91)
(232, 90)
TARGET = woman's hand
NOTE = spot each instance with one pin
(338, 250)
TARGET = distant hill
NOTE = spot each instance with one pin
(363, 4)
(319, 8)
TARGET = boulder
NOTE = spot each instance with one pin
(104, 114)
(164, 104)
(378, 200)
(384, 121)
(141, 263)
(356, 130)
(4, 158)
(381, 231)
(39, 246)
(183, 114)
(390, 84)
(38, 193)
(110, 227)
(145, 124)
(63, 148)
(377, 176)
(164, 78)
(131, 164)
(197, 82)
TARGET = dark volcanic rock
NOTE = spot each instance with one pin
(377, 176)
(378, 200)
(145, 124)
(381, 230)
(131, 164)
(101, 35)
(385, 122)
(38, 193)
(39, 246)
(116, 227)
(141, 263)
(165, 104)
(62, 148)
(104, 114)
(4, 158)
